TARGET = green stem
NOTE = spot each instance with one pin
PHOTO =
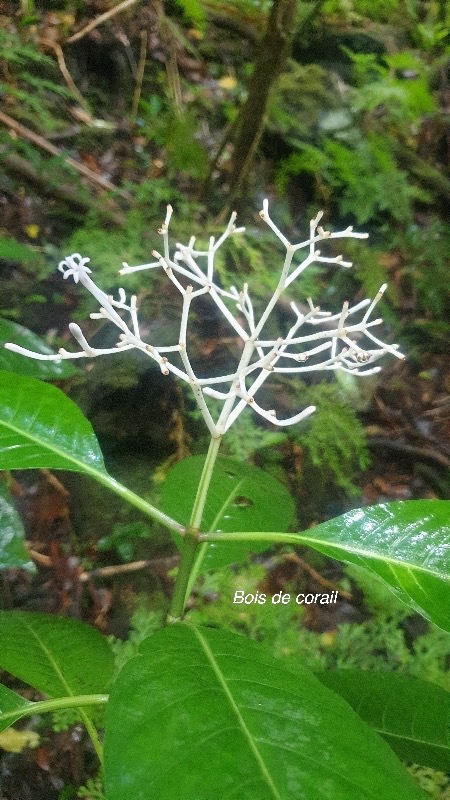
(189, 549)
(203, 486)
(191, 536)
(261, 536)
(93, 735)
(53, 705)
(136, 501)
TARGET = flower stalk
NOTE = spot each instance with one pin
(191, 536)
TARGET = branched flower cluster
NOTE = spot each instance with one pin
(306, 339)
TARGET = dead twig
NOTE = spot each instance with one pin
(166, 31)
(139, 77)
(39, 141)
(66, 193)
(133, 566)
(53, 481)
(421, 453)
(40, 559)
(316, 575)
(43, 560)
(66, 75)
(99, 20)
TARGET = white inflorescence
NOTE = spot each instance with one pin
(259, 356)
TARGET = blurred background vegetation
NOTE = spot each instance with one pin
(111, 110)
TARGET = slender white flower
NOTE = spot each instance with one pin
(349, 346)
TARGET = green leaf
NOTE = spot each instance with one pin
(202, 713)
(58, 656)
(406, 544)
(12, 250)
(413, 716)
(10, 701)
(13, 362)
(240, 498)
(12, 550)
(41, 428)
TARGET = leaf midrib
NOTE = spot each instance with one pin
(383, 729)
(246, 733)
(49, 656)
(365, 554)
(317, 544)
(81, 465)
(445, 748)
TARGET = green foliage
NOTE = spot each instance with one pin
(133, 241)
(349, 141)
(423, 585)
(254, 256)
(411, 715)
(33, 97)
(334, 441)
(246, 439)
(185, 154)
(390, 11)
(369, 179)
(307, 158)
(93, 790)
(368, 183)
(108, 248)
(301, 98)
(37, 648)
(47, 428)
(144, 622)
(12, 250)
(177, 135)
(163, 682)
(41, 427)
(171, 662)
(13, 362)
(12, 704)
(12, 549)
(424, 251)
(369, 268)
(193, 11)
(404, 100)
(64, 718)
(431, 31)
(123, 538)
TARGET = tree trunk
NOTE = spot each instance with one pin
(272, 54)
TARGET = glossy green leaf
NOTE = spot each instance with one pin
(58, 656)
(406, 544)
(413, 716)
(12, 549)
(41, 428)
(202, 713)
(240, 498)
(10, 701)
(13, 362)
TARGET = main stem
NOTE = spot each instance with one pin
(190, 539)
